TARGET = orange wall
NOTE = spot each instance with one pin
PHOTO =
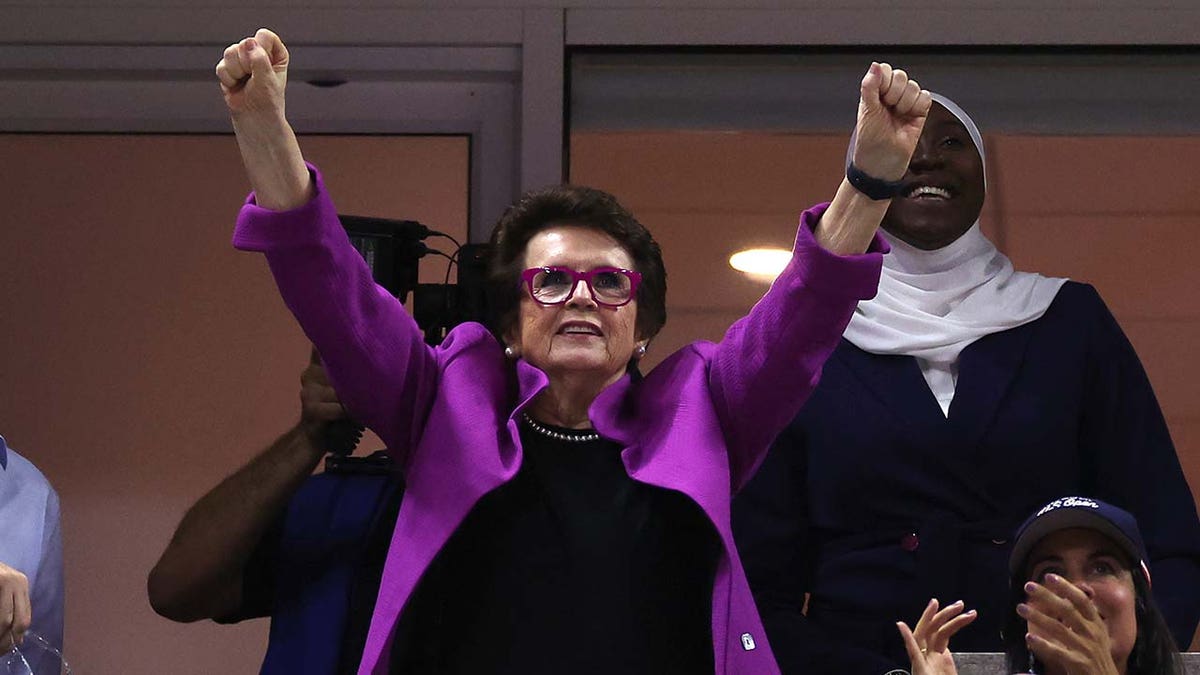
(142, 359)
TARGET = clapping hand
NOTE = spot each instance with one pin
(928, 644)
(1065, 628)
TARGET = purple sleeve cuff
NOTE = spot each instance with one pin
(261, 229)
(855, 276)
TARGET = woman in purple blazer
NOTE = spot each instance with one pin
(563, 514)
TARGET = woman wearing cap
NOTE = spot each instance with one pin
(962, 395)
(1080, 601)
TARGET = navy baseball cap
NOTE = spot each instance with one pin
(1068, 512)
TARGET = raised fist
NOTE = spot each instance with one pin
(253, 74)
(891, 114)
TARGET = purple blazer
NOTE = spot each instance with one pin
(699, 423)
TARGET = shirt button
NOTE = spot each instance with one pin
(910, 541)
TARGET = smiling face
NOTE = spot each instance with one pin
(579, 337)
(1097, 566)
(943, 188)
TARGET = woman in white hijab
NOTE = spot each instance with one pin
(961, 397)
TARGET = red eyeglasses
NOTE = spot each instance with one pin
(609, 286)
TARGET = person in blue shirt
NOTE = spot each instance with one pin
(274, 540)
(31, 560)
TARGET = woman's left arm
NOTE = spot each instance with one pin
(771, 359)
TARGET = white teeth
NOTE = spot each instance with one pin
(586, 330)
(929, 191)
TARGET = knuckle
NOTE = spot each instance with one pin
(12, 576)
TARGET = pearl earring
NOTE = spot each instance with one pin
(639, 351)
(510, 352)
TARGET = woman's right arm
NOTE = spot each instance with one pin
(372, 349)
(253, 75)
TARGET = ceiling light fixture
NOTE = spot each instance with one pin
(760, 264)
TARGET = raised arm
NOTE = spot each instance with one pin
(253, 76)
(891, 114)
(770, 360)
(374, 353)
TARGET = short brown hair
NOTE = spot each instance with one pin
(573, 205)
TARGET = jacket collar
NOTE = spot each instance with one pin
(605, 411)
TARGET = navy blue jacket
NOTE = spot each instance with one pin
(873, 501)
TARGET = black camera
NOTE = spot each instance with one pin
(393, 250)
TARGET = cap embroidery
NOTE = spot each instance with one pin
(1069, 502)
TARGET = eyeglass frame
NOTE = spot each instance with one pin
(635, 278)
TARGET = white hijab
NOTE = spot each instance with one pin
(932, 304)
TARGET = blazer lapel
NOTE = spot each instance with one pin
(986, 369)
(898, 386)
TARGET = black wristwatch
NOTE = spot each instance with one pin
(875, 188)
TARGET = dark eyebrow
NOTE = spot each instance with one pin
(1034, 562)
(1107, 553)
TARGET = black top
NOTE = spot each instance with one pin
(571, 567)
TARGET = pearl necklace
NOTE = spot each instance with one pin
(558, 435)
